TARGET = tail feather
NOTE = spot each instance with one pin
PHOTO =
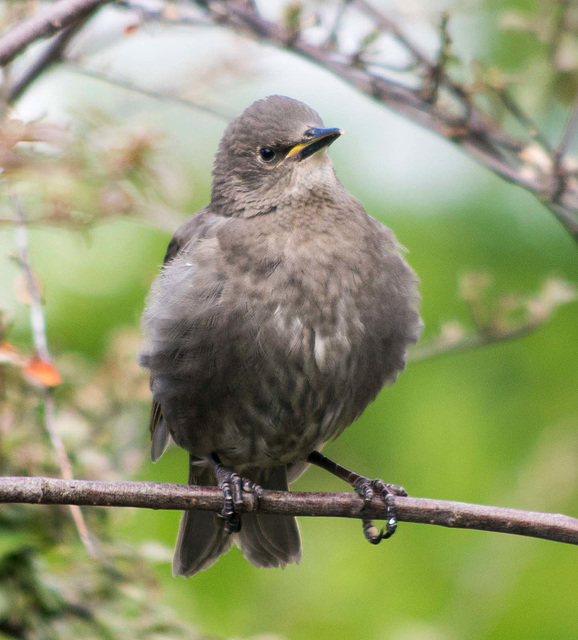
(202, 537)
(160, 439)
(270, 540)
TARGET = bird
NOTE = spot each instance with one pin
(281, 310)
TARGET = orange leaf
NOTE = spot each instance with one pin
(43, 372)
(10, 354)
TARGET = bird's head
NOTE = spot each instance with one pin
(273, 152)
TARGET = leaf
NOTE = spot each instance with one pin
(10, 354)
(43, 372)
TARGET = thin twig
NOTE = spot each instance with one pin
(156, 495)
(474, 131)
(459, 121)
(568, 136)
(41, 345)
(57, 16)
(332, 37)
(390, 26)
(559, 29)
(467, 343)
(149, 93)
(52, 53)
(432, 87)
(36, 311)
(524, 119)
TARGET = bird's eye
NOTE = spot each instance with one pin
(267, 154)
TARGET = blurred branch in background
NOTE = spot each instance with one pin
(59, 15)
(150, 93)
(425, 91)
(40, 368)
(511, 316)
(152, 495)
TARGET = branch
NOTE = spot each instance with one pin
(461, 122)
(149, 93)
(40, 340)
(497, 323)
(441, 347)
(457, 119)
(157, 495)
(57, 16)
(54, 52)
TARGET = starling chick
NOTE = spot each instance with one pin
(281, 310)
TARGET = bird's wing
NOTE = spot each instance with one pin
(189, 230)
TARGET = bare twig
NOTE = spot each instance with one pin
(472, 129)
(460, 121)
(149, 93)
(54, 18)
(566, 140)
(523, 118)
(569, 133)
(467, 343)
(41, 345)
(438, 71)
(559, 28)
(36, 311)
(156, 495)
(53, 52)
(333, 35)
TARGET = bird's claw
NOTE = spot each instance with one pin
(367, 489)
(252, 487)
(233, 486)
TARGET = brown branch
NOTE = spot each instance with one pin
(40, 340)
(471, 128)
(459, 121)
(57, 16)
(53, 53)
(156, 495)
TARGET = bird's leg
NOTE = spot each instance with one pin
(232, 485)
(366, 488)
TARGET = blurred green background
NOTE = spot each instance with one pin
(497, 425)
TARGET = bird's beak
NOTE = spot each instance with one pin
(314, 140)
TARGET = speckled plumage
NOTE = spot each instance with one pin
(281, 311)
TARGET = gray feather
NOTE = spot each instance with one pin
(160, 440)
(270, 540)
(202, 537)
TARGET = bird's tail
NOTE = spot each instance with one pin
(202, 537)
(265, 540)
(270, 540)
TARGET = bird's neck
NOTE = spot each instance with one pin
(310, 183)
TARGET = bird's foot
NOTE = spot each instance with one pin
(367, 489)
(233, 486)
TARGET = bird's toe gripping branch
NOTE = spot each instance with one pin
(232, 485)
(367, 489)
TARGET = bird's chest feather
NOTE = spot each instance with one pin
(301, 289)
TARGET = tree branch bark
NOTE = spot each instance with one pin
(460, 121)
(57, 16)
(156, 495)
